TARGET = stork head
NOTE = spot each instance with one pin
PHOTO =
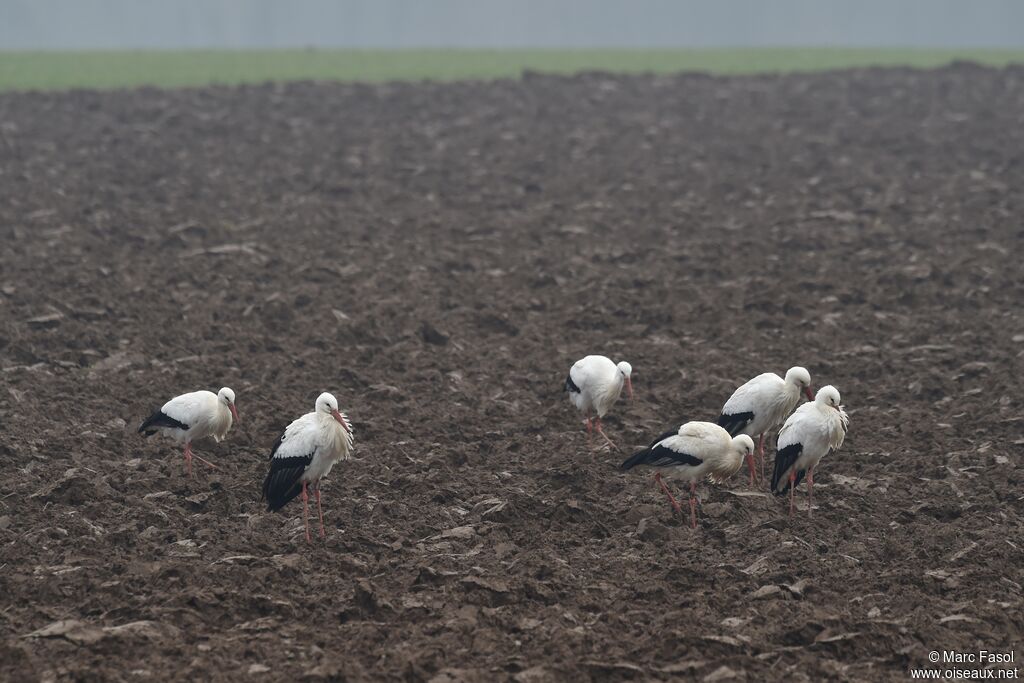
(743, 447)
(828, 396)
(801, 379)
(227, 397)
(327, 404)
(625, 369)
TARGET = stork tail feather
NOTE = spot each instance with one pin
(784, 460)
(160, 420)
(636, 459)
(734, 423)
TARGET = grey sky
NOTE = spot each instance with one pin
(112, 24)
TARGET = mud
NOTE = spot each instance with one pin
(438, 256)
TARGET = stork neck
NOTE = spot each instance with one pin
(615, 389)
(328, 422)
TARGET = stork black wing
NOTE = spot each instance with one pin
(661, 456)
(784, 460)
(160, 420)
(570, 386)
(735, 422)
(283, 481)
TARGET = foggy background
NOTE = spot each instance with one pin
(176, 24)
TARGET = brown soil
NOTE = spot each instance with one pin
(438, 256)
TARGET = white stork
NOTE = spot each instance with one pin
(762, 404)
(594, 384)
(696, 450)
(304, 454)
(193, 416)
(808, 435)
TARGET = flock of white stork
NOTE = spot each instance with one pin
(703, 449)
(303, 455)
(312, 444)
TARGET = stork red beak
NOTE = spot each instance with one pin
(809, 393)
(341, 420)
(629, 387)
(234, 412)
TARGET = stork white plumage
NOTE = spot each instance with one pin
(808, 435)
(194, 416)
(305, 453)
(696, 450)
(762, 404)
(594, 385)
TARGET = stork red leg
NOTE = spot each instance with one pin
(189, 455)
(320, 510)
(671, 499)
(810, 491)
(188, 458)
(760, 454)
(792, 487)
(750, 466)
(600, 431)
(693, 505)
(305, 511)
